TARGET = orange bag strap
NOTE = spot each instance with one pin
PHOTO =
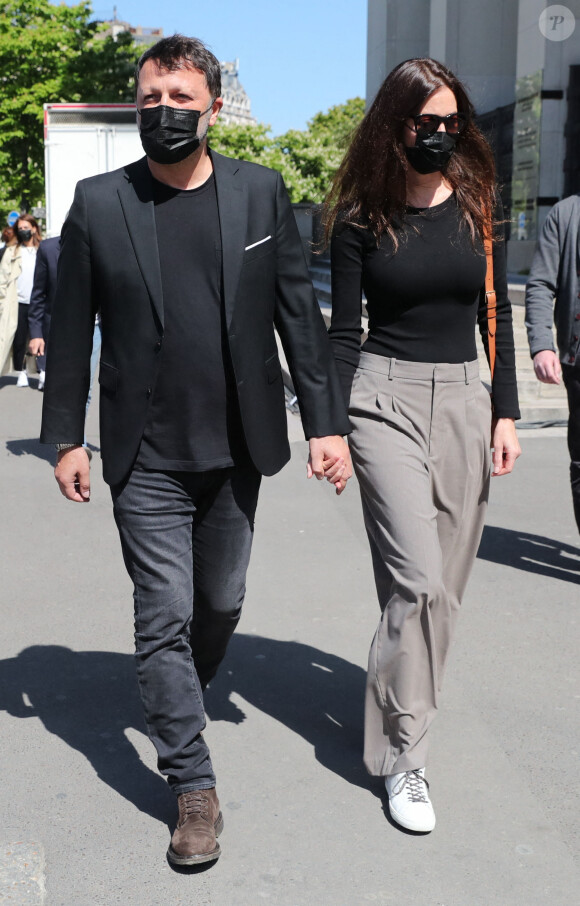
(490, 298)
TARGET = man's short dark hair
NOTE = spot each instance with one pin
(178, 51)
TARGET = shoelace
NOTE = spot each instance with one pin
(416, 786)
(194, 803)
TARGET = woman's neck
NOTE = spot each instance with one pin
(427, 190)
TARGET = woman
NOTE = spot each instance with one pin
(8, 238)
(407, 212)
(16, 278)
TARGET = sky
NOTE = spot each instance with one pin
(296, 58)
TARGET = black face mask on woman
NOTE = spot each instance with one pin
(431, 153)
(169, 134)
(23, 235)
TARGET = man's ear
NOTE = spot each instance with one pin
(216, 107)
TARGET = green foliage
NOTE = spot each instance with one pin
(50, 54)
(338, 123)
(307, 160)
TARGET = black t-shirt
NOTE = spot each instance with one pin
(422, 299)
(193, 422)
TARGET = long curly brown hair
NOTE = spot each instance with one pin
(369, 187)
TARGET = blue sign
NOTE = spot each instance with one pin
(12, 218)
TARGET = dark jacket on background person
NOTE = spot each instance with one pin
(44, 287)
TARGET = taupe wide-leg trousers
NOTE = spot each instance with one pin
(421, 450)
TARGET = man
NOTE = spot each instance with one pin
(39, 315)
(192, 258)
(555, 273)
(41, 301)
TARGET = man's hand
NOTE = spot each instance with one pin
(72, 474)
(506, 446)
(547, 367)
(36, 346)
(330, 458)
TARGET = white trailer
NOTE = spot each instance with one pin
(83, 140)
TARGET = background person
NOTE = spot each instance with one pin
(191, 258)
(40, 310)
(41, 302)
(554, 275)
(409, 207)
(8, 239)
(16, 278)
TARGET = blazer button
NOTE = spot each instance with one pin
(148, 394)
(158, 346)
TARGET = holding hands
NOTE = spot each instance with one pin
(330, 458)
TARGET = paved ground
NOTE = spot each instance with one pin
(86, 819)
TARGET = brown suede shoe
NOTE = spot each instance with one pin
(200, 822)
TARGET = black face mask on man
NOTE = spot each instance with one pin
(169, 134)
(432, 152)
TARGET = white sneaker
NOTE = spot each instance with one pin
(409, 802)
(22, 379)
(41, 377)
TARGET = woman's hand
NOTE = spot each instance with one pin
(505, 444)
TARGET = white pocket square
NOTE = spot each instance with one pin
(254, 244)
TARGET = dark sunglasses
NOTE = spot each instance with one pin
(428, 123)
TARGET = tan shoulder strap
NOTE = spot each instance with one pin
(490, 297)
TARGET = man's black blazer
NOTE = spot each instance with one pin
(109, 261)
(43, 287)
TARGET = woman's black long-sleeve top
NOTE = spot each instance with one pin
(422, 300)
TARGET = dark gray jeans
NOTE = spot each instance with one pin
(186, 539)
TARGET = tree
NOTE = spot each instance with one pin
(306, 159)
(252, 142)
(49, 54)
(337, 125)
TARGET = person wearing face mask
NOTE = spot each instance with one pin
(407, 215)
(16, 278)
(8, 239)
(192, 259)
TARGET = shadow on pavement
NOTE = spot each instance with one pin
(533, 553)
(88, 699)
(319, 696)
(9, 380)
(31, 446)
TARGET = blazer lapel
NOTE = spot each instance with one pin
(136, 196)
(232, 202)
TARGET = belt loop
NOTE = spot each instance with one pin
(391, 367)
(466, 373)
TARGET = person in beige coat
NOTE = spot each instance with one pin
(16, 272)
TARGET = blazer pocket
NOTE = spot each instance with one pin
(108, 377)
(259, 251)
(273, 368)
